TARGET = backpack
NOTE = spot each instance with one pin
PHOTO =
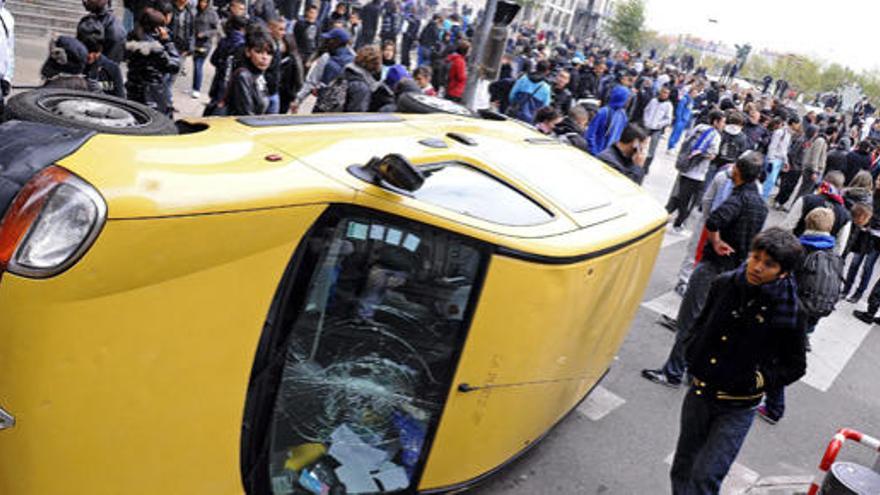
(686, 161)
(732, 146)
(818, 281)
(331, 98)
(524, 106)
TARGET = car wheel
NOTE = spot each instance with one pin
(85, 110)
(420, 103)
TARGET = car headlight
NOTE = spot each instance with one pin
(50, 224)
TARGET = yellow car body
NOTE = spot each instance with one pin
(131, 371)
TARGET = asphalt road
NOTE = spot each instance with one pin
(621, 440)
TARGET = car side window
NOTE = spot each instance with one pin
(466, 190)
(371, 355)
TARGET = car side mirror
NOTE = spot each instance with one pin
(393, 169)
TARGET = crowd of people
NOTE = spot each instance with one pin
(751, 295)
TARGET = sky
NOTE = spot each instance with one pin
(842, 31)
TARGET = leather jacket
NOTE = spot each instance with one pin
(248, 93)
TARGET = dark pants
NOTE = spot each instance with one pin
(710, 437)
(684, 201)
(869, 259)
(808, 184)
(405, 51)
(874, 299)
(787, 182)
(691, 305)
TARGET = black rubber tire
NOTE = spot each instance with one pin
(27, 106)
(408, 103)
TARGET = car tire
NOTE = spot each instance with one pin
(421, 103)
(85, 110)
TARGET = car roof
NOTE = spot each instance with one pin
(243, 164)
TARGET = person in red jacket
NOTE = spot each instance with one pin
(457, 71)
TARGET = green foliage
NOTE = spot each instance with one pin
(810, 76)
(627, 24)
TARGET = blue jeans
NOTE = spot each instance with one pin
(423, 54)
(677, 131)
(691, 305)
(274, 104)
(709, 439)
(127, 20)
(869, 260)
(775, 167)
(198, 72)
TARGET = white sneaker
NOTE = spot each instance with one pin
(196, 95)
(681, 231)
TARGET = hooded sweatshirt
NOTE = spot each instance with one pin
(609, 122)
(532, 84)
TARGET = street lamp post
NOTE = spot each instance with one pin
(477, 50)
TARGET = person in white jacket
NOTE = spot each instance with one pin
(658, 115)
(7, 53)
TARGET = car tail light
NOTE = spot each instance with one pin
(53, 220)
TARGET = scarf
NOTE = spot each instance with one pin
(780, 293)
(830, 192)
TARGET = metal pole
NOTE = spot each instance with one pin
(477, 49)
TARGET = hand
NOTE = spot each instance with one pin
(786, 167)
(641, 155)
(163, 33)
(814, 177)
(722, 248)
(294, 107)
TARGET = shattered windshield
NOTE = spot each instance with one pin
(370, 359)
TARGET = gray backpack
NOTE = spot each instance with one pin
(818, 282)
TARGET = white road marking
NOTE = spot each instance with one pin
(599, 403)
(666, 304)
(835, 341)
(672, 238)
(738, 479)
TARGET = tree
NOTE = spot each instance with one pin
(627, 24)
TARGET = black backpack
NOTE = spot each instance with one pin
(331, 98)
(818, 281)
(685, 162)
(732, 146)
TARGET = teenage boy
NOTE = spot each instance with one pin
(747, 339)
(730, 229)
(816, 239)
(248, 93)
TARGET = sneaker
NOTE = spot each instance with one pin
(864, 316)
(681, 288)
(668, 322)
(681, 231)
(854, 298)
(657, 376)
(766, 416)
(196, 95)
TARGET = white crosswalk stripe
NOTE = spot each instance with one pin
(666, 304)
(738, 481)
(599, 403)
(835, 341)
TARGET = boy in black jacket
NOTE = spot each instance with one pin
(747, 338)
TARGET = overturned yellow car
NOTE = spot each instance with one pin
(334, 304)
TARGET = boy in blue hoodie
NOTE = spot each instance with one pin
(816, 237)
(609, 123)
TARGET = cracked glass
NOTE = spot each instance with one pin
(369, 360)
